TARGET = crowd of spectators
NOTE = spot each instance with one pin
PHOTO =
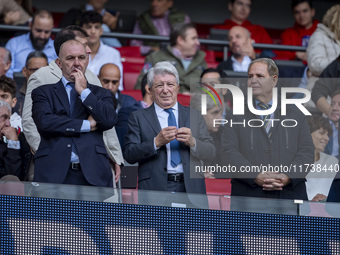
(22, 55)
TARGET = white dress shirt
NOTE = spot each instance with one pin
(105, 55)
(241, 66)
(162, 116)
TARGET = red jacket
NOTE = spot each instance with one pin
(258, 33)
(294, 36)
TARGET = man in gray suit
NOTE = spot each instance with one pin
(167, 139)
(52, 74)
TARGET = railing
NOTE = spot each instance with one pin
(224, 44)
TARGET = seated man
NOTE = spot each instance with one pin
(157, 21)
(240, 10)
(332, 147)
(109, 76)
(242, 51)
(299, 34)
(14, 150)
(110, 18)
(101, 53)
(71, 116)
(39, 38)
(183, 52)
(7, 94)
(5, 60)
(34, 61)
(167, 139)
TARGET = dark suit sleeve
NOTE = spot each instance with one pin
(100, 106)
(135, 150)
(232, 153)
(48, 123)
(205, 149)
(12, 163)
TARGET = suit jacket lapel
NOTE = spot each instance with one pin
(62, 95)
(151, 117)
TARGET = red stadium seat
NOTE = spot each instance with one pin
(129, 51)
(210, 59)
(129, 80)
(131, 72)
(218, 186)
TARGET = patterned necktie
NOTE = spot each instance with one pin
(174, 144)
(266, 120)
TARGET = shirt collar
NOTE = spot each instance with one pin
(178, 54)
(64, 81)
(269, 103)
(160, 109)
(245, 58)
(165, 17)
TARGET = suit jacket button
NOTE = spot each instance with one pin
(69, 146)
(266, 151)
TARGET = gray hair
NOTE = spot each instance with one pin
(162, 68)
(271, 66)
(5, 104)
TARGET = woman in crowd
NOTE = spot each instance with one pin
(322, 173)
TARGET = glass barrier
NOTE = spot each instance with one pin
(171, 199)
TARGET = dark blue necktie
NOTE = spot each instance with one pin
(174, 144)
(73, 97)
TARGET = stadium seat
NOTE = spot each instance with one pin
(218, 186)
(210, 59)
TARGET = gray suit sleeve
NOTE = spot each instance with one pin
(110, 136)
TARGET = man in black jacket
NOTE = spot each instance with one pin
(14, 150)
(267, 157)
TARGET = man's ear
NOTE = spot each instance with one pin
(7, 66)
(170, 3)
(275, 79)
(58, 62)
(230, 6)
(14, 102)
(101, 31)
(180, 40)
(147, 89)
(24, 71)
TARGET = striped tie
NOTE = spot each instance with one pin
(266, 120)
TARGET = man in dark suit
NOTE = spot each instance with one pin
(242, 51)
(71, 116)
(167, 139)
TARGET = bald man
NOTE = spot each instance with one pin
(109, 76)
(240, 45)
